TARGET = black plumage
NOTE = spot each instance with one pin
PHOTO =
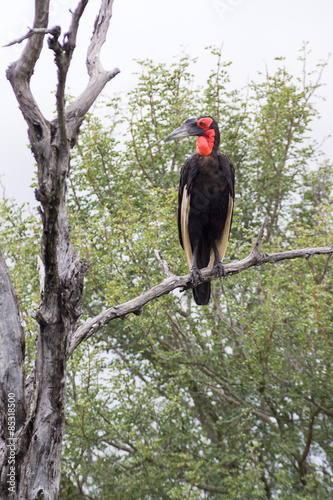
(205, 203)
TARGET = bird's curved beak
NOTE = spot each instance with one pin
(188, 128)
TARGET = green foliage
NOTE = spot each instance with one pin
(20, 235)
(232, 400)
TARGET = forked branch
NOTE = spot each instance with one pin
(98, 76)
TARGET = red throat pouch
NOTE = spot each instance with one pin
(205, 143)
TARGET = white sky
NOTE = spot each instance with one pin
(253, 32)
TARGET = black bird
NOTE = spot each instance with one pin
(205, 202)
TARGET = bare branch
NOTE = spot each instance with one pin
(301, 461)
(308, 436)
(234, 398)
(164, 265)
(263, 416)
(322, 408)
(208, 487)
(120, 446)
(32, 50)
(35, 31)
(98, 38)
(63, 57)
(91, 326)
(20, 72)
(301, 253)
(98, 76)
(255, 258)
(72, 33)
(62, 63)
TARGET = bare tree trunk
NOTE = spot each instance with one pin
(12, 400)
(39, 427)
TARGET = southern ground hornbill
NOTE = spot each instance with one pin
(205, 202)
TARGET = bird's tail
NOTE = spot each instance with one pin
(201, 293)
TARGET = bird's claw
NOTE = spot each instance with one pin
(218, 269)
(196, 275)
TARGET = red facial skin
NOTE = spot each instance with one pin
(205, 143)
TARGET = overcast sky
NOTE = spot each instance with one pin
(253, 33)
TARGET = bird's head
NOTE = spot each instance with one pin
(207, 130)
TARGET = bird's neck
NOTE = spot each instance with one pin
(206, 143)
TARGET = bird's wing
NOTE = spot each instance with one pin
(229, 171)
(187, 174)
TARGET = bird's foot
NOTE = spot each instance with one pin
(218, 269)
(196, 275)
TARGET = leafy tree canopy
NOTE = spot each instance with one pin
(232, 400)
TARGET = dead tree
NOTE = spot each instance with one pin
(33, 407)
(40, 400)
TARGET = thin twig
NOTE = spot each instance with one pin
(308, 436)
(55, 31)
(164, 265)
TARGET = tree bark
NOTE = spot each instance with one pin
(39, 427)
(12, 398)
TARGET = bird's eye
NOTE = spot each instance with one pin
(202, 123)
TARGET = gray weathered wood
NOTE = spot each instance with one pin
(40, 408)
(11, 365)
